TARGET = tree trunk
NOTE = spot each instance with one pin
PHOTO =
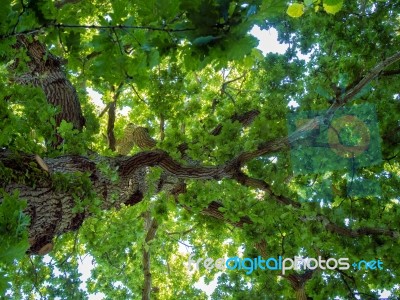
(46, 71)
(53, 196)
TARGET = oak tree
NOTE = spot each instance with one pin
(202, 142)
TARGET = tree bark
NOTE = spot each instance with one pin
(151, 227)
(298, 282)
(51, 207)
(46, 71)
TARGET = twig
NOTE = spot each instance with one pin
(92, 26)
(137, 94)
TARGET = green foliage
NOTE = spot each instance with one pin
(13, 233)
(296, 10)
(108, 171)
(26, 119)
(74, 141)
(192, 65)
(80, 187)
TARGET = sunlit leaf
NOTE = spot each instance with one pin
(295, 10)
(333, 6)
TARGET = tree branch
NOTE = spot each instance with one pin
(151, 227)
(303, 131)
(92, 26)
(298, 281)
(390, 72)
(245, 119)
(366, 79)
(45, 71)
(130, 191)
(106, 108)
(353, 233)
(111, 117)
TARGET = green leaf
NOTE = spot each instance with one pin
(295, 10)
(153, 58)
(272, 8)
(204, 40)
(333, 6)
(73, 41)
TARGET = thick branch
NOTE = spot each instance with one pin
(106, 108)
(164, 160)
(52, 204)
(46, 72)
(212, 210)
(51, 209)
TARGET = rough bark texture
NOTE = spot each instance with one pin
(51, 207)
(46, 71)
(298, 281)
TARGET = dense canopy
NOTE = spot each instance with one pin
(202, 147)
